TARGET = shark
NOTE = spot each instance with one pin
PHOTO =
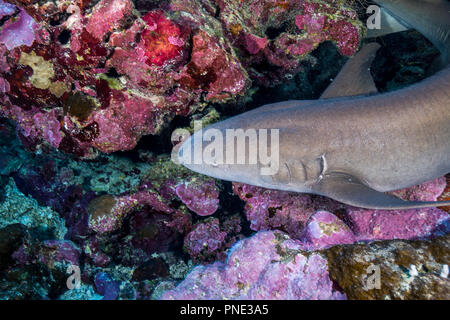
(355, 145)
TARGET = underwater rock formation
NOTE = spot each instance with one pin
(290, 212)
(199, 195)
(106, 286)
(19, 27)
(324, 230)
(268, 265)
(209, 240)
(84, 78)
(107, 212)
(406, 269)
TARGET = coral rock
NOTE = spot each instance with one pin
(106, 286)
(206, 240)
(289, 212)
(18, 29)
(107, 212)
(266, 266)
(163, 40)
(405, 269)
(202, 197)
(324, 229)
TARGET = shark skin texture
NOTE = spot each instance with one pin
(353, 149)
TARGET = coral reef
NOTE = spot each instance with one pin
(290, 212)
(208, 240)
(407, 269)
(267, 209)
(268, 265)
(324, 230)
(84, 79)
(19, 27)
(20, 209)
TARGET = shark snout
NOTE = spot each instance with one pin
(231, 153)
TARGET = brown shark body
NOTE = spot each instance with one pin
(355, 148)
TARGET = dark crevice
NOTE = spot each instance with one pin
(112, 73)
(157, 144)
(274, 32)
(64, 36)
(8, 17)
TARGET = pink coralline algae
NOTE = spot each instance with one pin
(285, 32)
(119, 125)
(402, 224)
(205, 238)
(297, 215)
(397, 224)
(111, 76)
(268, 265)
(163, 39)
(269, 209)
(319, 24)
(106, 16)
(19, 28)
(209, 240)
(200, 194)
(49, 252)
(272, 265)
(202, 197)
(105, 76)
(107, 212)
(324, 230)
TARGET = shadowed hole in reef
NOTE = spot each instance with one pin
(64, 36)
(273, 32)
(144, 6)
(112, 73)
(231, 204)
(404, 58)
(309, 83)
(158, 144)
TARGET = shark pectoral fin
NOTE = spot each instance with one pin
(354, 79)
(389, 24)
(348, 190)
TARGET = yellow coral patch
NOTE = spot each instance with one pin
(42, 70)
(58, 88)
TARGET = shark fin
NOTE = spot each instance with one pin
(389, 24)
(355, 79)
(346, 189)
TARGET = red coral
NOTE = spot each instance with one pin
(163, 39)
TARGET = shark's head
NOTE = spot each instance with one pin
(231, 151)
